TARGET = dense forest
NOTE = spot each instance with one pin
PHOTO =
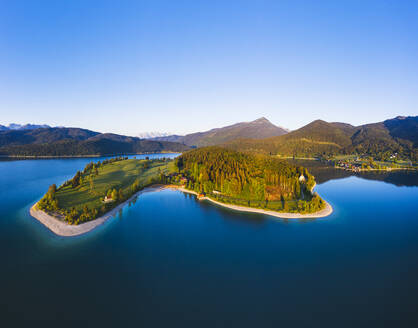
(77, 142)
(250, 180)
(398, 137)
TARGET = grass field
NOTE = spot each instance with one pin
(118, 175)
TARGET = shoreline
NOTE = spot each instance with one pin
(63, 229)
(283, 215)
(83, 156)
(389, 169)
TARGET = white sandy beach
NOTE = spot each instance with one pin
(322, 213)
(62, 228)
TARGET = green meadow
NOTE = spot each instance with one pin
(120, 175)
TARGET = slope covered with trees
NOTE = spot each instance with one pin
(77, 142)
(380, 140)
(249, 180)
(258, 129)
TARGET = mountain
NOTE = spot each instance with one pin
(398, 135)
(152, 134)
(171, 138)
(380, 140)
(77, 142)
(14, 126)
(258, 129)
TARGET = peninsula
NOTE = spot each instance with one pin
(243, 182)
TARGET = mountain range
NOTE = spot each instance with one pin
(380, 140)
(258, 129)
(77, 142)
(318, 138)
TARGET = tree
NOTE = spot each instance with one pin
(114, 194)
(91, 183)
(52, 188)
(75, 182)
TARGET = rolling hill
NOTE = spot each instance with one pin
(258, 129)
(77, 142)
(397, 135)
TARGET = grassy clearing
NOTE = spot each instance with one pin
(117, 175)
(321, 142)
(346, 157)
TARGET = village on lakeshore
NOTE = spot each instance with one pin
(366, 163)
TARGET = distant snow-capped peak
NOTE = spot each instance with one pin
(14, 126)
(154, 134)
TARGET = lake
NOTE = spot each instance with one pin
(169, 260)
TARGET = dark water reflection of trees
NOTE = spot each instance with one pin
(324, 173)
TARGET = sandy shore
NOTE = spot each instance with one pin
(322, 213)
(62, 228)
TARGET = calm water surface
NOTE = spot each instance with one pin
(171, 261)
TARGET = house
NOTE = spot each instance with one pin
(183, 180)
(107, 199)
(216, 192)
(201, 196)
(302, 178)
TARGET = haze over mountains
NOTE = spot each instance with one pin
(258, 129)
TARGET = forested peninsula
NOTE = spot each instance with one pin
(251, 180)
(248, 182)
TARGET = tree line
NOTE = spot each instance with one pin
(251, 179)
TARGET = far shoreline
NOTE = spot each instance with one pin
(84, 156)
(63, 229)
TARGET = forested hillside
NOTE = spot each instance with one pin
(258, 129)
(250, 180)
(77, 142)
(380, 140)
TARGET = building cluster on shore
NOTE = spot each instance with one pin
(355, 167)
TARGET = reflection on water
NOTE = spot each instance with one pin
(324, 173)
(226, 213)
(174, 261)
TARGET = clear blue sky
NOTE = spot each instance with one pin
(184, 66)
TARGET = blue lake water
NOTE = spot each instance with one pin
(171, 261)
